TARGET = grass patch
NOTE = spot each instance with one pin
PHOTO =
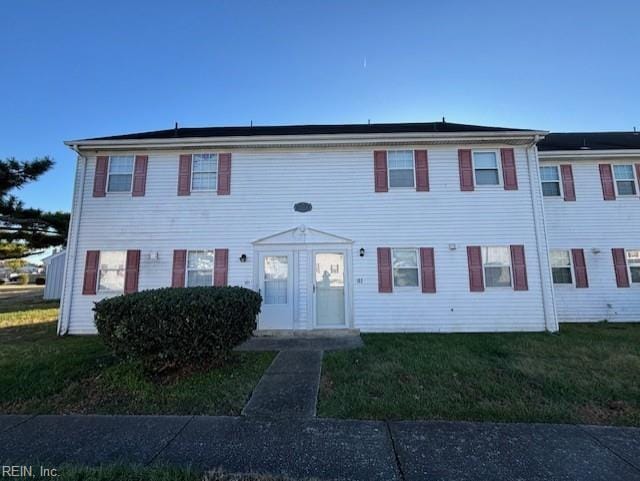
(585, 374)
(43, 373)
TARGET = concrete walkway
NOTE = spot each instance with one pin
(330, 449)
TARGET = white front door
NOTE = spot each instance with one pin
(329, 289)
(276, 288)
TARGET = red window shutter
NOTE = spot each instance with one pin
(221, 267)
(606, 177)
(566, 172)
(184, 175)
(474, 258)
(509, 175)
(140, 176)
(380, 171)
(519, 265)
(90, 284)
(224, 174)
(580, 268)
(100, 177)
(179, 267)
(422, 170)
(385, 283)
(428, 269)
(132, 271)
(466, 169)
(620, 266)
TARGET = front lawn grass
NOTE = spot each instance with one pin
(43, 373)
(587, 373)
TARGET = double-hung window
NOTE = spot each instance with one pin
(199, 268)
(120, 173)
(625, 179)
(550, 178)
(204, 172)
(405, 268)
(111, 271)
(496, 262)
(401, 168)
(485, 167)
(633, 261)
(561, 267)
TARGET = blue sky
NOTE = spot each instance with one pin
(75, 69)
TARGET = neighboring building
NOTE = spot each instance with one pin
(592, 211)
(54, 275)
(433, 227)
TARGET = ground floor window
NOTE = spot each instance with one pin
(561, 267)
(199, 268)
(496, 262)
(111, 271)
(405, 268)
(633, 261)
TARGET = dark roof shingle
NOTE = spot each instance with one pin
(590, 141)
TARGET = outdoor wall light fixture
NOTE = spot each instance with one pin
(243, 258)
(361, 251)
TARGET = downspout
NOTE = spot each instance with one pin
(544, 265)
(72, 252)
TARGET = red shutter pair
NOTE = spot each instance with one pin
(427, 270)
(91, 267)
(224, 174)
(220, 267)
(518, 267)
(465, 167)
(607, 180)
(381, 182)
(102, 172)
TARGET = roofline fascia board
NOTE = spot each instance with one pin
(587, 154)
(306, 140)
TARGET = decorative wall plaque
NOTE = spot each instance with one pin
(302, 207)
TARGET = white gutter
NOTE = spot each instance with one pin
(72, 250)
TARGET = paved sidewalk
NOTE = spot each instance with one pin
(331, 449)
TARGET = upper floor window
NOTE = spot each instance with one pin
(120, 173)
(405, 268)
(561, 267)
(401, 168)
(496, 262)
(633, 261)
(550, 178)
(625, 179)
(199, 268)
(111, 271)
(485, 167)
(204, 172)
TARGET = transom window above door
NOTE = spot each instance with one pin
(120, 173)
(204, 172)
(405, 268)
(199, 268)
(401, 168)
(496, 262)
(625, 179)
(485, 167)
(550, 178)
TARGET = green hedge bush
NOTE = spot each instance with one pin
(177, 327)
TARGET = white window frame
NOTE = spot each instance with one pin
(187, 269)
(413, 164)
(393, 277)
(110, 291)
(573, 274)
(561, 196)
(498, 165)
(484, 274)
(215, 188)
(133, 168)
(615, 181)
(626, 261)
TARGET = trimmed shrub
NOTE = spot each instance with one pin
(40, 281)
(171, 328)
(23, 279)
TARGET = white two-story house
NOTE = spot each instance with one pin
(429, 227)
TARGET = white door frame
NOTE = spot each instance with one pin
(347, 285)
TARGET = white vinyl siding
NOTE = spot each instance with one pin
(204, 172)
(401, 168)
(120, 173)
(561, 266)
(550, 177)
(625, 179)
(111, 271)
(199, 268)
(405, 268)
(486, 169)
(496, 263)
